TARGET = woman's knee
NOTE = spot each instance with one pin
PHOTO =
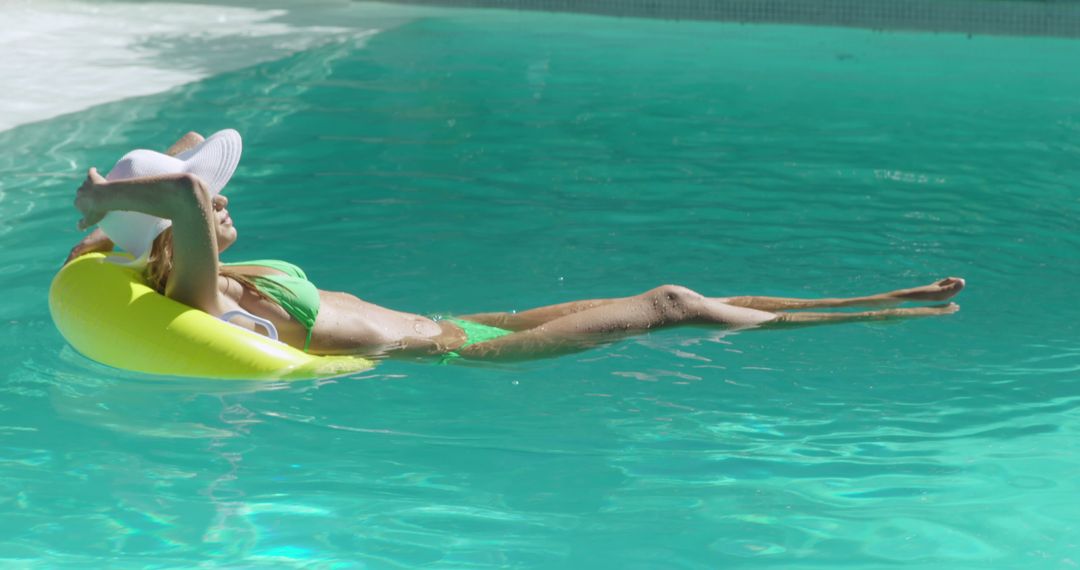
(674, 292)
(675, 301)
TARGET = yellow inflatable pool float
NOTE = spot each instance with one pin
(108, 313)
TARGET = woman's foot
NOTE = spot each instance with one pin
(939, 291)
(946, 309)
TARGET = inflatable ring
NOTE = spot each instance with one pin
(108, 313)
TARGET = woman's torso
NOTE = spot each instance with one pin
(345, 324)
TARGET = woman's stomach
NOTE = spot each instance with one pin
(349, 325)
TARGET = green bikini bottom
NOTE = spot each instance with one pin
(474, 333)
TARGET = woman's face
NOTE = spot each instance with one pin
(226, 232)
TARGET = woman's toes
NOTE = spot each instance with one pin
(948, 287)
(951, 283)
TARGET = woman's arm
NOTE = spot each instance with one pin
(186, 142)
(97, 240)
(181, 198)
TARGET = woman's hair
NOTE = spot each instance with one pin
(160, 264)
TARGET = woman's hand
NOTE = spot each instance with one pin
(94, 242)
(97, 240)
(186, 142)
(88, 198)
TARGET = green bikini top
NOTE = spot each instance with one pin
(298, 296)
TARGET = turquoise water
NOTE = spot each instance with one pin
(472, 161)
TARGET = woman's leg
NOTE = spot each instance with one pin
(664, 306)
(938, 291)
(585, 324)
(535, 317)
(806, 318)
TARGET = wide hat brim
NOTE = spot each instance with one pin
(214, 161)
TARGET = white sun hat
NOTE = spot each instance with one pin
(213, 161)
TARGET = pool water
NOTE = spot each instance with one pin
(462, 161)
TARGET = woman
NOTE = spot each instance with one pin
(182, 262)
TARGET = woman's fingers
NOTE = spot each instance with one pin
(95, 241)
(79, 249)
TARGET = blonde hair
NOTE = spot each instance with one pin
(159, 266)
